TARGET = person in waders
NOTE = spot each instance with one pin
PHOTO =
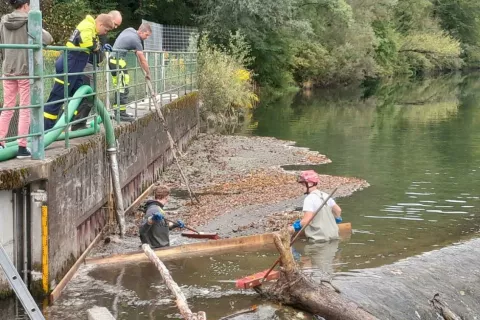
(324, 227)
(155, 229)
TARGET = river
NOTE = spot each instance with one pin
(416, 143)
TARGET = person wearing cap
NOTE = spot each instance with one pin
(324, 227)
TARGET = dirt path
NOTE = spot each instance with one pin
(241, 186)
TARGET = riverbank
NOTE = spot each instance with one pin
(241, 186)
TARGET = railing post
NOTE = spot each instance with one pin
(164, 84)
(35, 59)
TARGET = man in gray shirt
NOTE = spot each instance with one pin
(128, 40)
(155, 229)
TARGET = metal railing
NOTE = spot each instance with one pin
(172, 74)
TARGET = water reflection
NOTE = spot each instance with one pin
(322, 257)
(415, 142)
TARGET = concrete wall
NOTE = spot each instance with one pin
(77, 180)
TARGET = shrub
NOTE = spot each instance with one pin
(225, 85)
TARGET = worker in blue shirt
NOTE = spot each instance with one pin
(85, 36)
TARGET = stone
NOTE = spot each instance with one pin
(99, 313)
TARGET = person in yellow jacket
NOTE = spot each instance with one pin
(85, 36)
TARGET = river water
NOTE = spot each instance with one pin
(417, 143)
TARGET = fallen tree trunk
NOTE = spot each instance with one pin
(174, 288)
(295, 290)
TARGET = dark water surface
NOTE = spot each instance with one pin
(416, 143)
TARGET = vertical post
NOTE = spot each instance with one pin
(164, 88)
(65, 94)
(185, 71)
(135, 76)
(35, 59)
(45, 249)
(107, 81)
(25, 235)
(179, 75)
(95, 90)
(147, 57)
(155, 80)
(117, 92)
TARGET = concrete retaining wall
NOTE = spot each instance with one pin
(77, 180)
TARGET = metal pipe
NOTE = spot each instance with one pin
(25, 242)
(117, 189)
(15, 230)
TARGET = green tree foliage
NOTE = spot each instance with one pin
(326, 42)
(61, 17)
(461, 19)
(225, 85)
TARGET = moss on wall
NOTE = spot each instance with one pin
(13, 179)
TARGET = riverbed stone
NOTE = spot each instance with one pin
(99, 313)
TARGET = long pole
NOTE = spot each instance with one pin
(170, 139)
(299, 232)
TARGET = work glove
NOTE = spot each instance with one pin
(157, 216)
(180, 224)
(338, 220)
(297, 226)
(107, 47)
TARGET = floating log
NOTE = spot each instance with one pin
(192, 249)
(181, 301)
(294, 289)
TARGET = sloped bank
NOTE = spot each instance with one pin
(239, 180)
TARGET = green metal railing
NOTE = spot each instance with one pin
(172, 74)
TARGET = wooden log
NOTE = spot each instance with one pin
(63, 283)
(172, 285)
(294, 289)
(192, 249)
(442, 309)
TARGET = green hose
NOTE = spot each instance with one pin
(11, 148)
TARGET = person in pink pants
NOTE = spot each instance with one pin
(13, 30)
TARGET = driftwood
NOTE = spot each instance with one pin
(295, 290)
(442, 309)
(181, 301)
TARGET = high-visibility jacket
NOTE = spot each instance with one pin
(85, 35)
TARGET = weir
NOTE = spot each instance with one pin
(74, 185)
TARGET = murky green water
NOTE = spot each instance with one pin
(417, 144)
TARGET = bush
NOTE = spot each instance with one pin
(225, 85)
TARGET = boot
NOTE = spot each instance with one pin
(124, 116)
(79, 126)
